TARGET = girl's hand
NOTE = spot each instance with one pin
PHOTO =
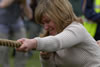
(98, 42)
(46, 55)
(27, 44)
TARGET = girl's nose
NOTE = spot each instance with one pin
(46, 27)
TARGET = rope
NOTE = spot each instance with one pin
(9, 43)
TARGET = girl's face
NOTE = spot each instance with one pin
(49, 25)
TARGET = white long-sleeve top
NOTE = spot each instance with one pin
(73, 47)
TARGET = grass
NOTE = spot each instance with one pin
(32, 61)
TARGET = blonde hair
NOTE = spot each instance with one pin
(60, 11)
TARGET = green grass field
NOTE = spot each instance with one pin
(32, 61)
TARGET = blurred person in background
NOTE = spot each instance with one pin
(91, 12)
(12, 27)
(33, 29)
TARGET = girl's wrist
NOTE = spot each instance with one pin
(34, 42)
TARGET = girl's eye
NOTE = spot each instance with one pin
(47, 21)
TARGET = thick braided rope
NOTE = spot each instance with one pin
(9, 43)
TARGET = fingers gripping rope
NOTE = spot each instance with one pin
(9, 43)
